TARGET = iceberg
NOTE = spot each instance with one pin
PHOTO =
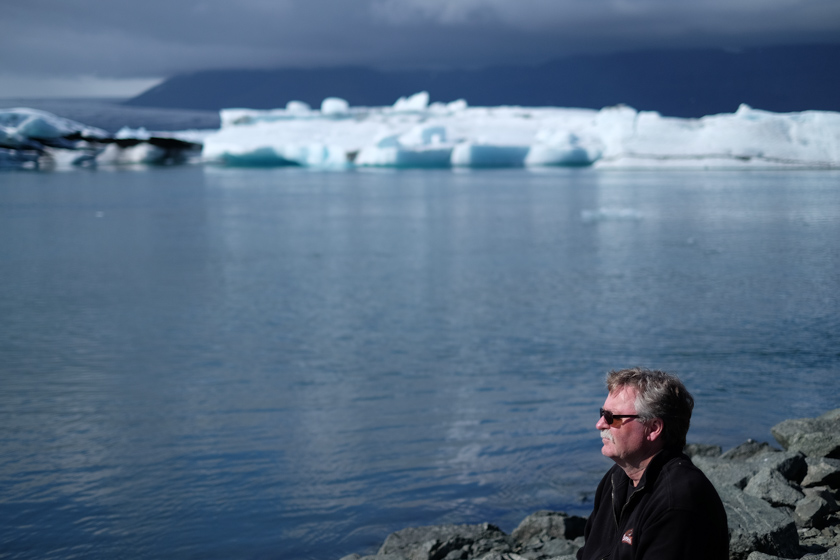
(30, 138)
(414, 133)
(33, 139)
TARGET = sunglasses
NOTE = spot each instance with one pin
(609, 417)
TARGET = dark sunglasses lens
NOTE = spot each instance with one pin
(608, 416)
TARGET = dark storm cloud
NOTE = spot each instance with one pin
(112, 38)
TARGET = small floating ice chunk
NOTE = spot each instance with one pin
(298, 108)
(456, 106)
(415, 103)
(334, 106)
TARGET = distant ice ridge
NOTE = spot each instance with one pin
(415, 134)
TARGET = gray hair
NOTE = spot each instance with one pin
(658, 395)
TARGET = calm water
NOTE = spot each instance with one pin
(219, 363)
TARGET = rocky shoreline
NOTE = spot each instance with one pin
(780, 504)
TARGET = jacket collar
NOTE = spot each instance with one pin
(620, 481)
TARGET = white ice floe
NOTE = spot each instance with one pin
(414, 133)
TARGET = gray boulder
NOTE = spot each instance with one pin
(722, 472)
(754, 525)
(549, 549)
(739, 472)
(815, 507)
(549, 525)
(792, 466)
(832, 554)
(815, 437)
(748, 449)
(822, 472)
(496, 555)
(549, 534)
(702, 450)
(769, 485)
(441, 542)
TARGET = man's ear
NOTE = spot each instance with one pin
(655, 429)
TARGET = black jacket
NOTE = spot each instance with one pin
(674, 513)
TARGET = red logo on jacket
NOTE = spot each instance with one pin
(628, 537)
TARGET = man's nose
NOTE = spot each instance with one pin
(601, 424)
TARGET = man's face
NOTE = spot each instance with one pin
(625, 442)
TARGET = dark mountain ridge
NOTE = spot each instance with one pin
(685, 83)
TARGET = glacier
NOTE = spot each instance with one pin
(413, 133)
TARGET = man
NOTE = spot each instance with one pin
(653, 504)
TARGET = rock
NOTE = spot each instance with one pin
(724, 473)
(754, 525)
(815, 507)
(702, 450)
(748, 449)
(537, 549)
(769, 485)
(739, 472)
(762, 556)
(499, 543)
(822, 472)
(549, 524)
(549, 549)
(831, 554)
(548, 534)
(437, 542)
(815, 437)
(792, 466)
(560, 547)
(495, 555)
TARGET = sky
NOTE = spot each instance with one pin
(116, 48)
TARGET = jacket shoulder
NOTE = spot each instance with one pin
(687, 487)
